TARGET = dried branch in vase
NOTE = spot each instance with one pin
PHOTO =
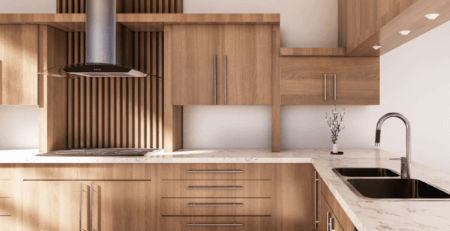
(335, 122)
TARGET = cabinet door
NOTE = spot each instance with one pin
(357, 80)
(248, 51)
(303, 82)
(18, 64)
(123, 205)
(327, 220)
(193, 51)
(55, 206)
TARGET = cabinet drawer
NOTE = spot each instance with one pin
(218, 171)
(216, 223)
(5, 188)
(216, 206)
(5, 206)
(216, 188)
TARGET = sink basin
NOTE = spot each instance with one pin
(397, 189)
(366, 172)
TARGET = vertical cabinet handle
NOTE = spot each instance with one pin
(316, 180)
(325, 87)
(90, 206)
(335, 87)
(225, 67)
(81, 189)
(331, 224)
(328, 221)
(215, 80)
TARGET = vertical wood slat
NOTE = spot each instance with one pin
(119, 112)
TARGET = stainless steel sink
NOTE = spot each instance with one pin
(397, 189)
(365, 172)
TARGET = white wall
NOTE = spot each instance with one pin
(414, 81)
(304, 23)
(19, 125)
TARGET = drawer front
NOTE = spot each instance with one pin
(216, 223)
(218, 171)
(217, 188)
(5, 188)
(5, 206)
(216, 206)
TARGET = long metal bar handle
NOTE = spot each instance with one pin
(90, 206)
(335, 87)
(215, 205)
(216, 187)
(331, 224)
(325, 87)
(215, 80)
(225, 67)
(214, 171)
(214, 225)
(316, 180)
(81, 189)
(328, 221)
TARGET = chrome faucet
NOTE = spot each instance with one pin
(405, 162)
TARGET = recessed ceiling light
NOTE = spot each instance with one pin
(405, 32)
(376, 47)
(431, 16)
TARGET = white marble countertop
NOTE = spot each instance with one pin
(366, 214)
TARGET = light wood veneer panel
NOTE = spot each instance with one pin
(248, 223)
(216, 207)
(19, 68)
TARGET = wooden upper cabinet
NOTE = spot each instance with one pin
(357, 80)
(245, 78)
(303, 81)
(248, 51)
(18, 64)
(193, 51)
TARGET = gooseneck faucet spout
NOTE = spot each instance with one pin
(405, 162)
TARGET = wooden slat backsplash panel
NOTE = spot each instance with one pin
(125, 6)
(119, 112)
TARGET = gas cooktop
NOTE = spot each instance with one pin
(102, 152)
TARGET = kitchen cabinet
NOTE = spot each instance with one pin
(18, 64)
(195, 50)
(221, 64)
(98, 205)
(330, 214)
(330, 81)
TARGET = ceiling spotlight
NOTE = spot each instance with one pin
(376, 47)
(431, 16)
(405, 32)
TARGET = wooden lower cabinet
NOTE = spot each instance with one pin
(216, 223)
(329, 222)
(73, 205)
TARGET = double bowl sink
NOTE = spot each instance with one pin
(382, 183)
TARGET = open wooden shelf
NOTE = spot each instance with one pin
(139, 22)
(319, 51)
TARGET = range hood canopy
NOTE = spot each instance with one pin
(100, 46)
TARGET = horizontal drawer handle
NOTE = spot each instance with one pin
(215, 205)
(216, 187)
(215, 225)
(214, 171)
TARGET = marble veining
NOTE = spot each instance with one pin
(367, 214)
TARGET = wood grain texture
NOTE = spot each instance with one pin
(248, 223)
(326, 212)
(292, 197)
(357, 81)
(276, 93)
(19, 55)
(53, 118)
(123, 205)
(216, 207)
(248, 49)
(339, 51)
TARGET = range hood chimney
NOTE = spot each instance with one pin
(100, 45)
